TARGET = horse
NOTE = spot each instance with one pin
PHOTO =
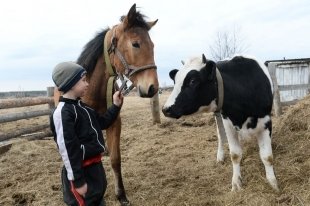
(128, 51)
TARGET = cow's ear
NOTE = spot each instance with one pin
(204, 59)
(209, 71)
(172, 73)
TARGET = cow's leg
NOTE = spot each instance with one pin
(221, 136)
(113, 141)
(235, 154)
(265, 151)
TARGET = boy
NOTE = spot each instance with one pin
(77, 132)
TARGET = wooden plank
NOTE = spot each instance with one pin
(4, 147)
(39, 135)
(6, 136)
(288, 103)
(23, 102)
(23, 115)
(293, 87)
(276, 96)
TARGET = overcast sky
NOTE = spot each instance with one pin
(37, 34)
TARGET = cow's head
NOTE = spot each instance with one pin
(194, 89)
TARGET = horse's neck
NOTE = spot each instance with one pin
(96, 95)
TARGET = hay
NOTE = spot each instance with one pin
(173, 163)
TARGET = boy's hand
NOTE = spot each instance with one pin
(82, 190)
(118, 98)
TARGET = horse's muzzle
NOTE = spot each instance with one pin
(150, 92)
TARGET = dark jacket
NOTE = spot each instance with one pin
(77, 132)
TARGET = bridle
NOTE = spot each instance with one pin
(130, 70)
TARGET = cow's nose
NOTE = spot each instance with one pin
(166, 111)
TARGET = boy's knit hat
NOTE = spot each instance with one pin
(66, 75)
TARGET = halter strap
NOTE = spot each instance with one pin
(106, 56)
(111, 72)
(129, 69)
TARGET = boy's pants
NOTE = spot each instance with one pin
(96, 187)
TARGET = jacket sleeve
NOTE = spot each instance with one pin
(69, 145)
(108, 118)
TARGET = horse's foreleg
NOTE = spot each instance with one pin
(113, 142)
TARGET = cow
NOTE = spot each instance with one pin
(240, 90)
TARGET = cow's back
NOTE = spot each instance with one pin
(247, 88)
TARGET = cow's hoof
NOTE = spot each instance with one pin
(220, 161)
(123, 201)
(274, 185)
(220, 157)
(236, 184)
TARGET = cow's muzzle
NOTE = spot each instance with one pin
(168, 112)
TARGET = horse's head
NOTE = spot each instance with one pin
(131, 52)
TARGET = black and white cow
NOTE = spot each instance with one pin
(246, 105)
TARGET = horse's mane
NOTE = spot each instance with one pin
(94, 48)
(92, 51)
(139, 21)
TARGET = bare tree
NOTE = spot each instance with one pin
(227, 43)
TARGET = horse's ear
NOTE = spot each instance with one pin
(172, 73)
(131, 16)
(182, 61)
(152, 23)
(209, 71)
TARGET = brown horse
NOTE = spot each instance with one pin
(129, 50)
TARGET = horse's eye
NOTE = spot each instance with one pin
(136, 45)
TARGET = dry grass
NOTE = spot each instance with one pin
(173, 163)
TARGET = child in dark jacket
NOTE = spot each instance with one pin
(77, 132)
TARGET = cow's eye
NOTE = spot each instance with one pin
(192, 82)
(136, 45)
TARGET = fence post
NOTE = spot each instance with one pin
(276, 95)
(155, 108)
(308, 77)
(50, 93)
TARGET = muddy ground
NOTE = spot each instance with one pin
(172, 163)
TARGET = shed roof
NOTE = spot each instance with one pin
(289, 61)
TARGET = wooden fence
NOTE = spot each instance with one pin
(303, 86)
(23, 102)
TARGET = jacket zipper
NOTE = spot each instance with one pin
(91, 124)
